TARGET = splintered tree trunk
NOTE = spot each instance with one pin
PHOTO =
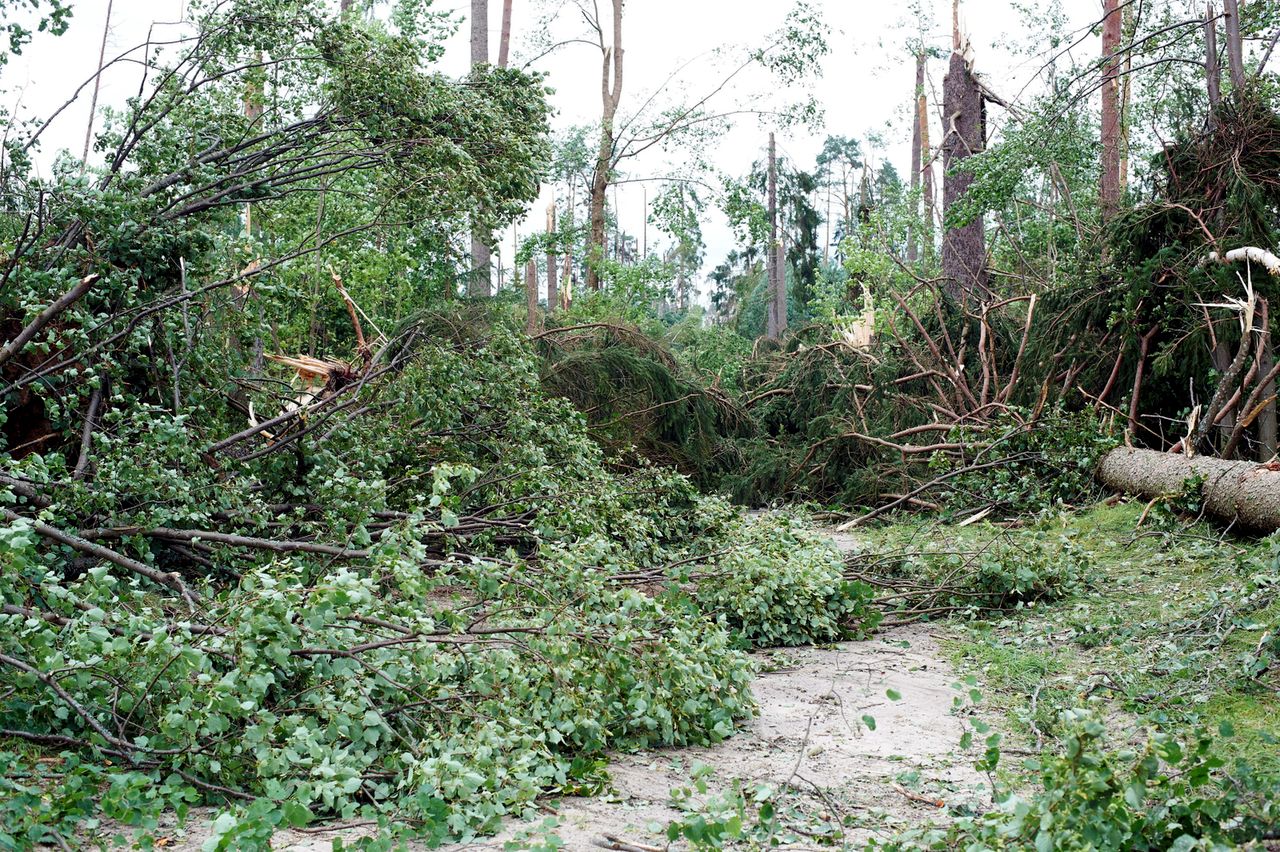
(504, 46)
(479, 282)
(531, 297)
(611, 96)
(772, 328)
(1109, 190)
(913, 239)
(1237, 492)
(553, 292)
(964, 249)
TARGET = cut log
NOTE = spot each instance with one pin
(1238, 492)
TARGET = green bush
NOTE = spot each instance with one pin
(782, 584)
(1161, 795)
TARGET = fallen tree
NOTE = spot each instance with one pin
(1239, 492)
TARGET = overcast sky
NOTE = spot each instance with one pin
(864, 88)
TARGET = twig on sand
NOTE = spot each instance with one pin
(610, 841)
(916, 797)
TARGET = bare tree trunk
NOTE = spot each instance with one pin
(964, 249)
(504, 46)
(913, 239)
(479, 282)
(1112, 26)
(1212, 67)
(1235, 44)
(925, 166)
(553, 293)
(772, 326)
(97, 87)
(611, 96)
(780, 295)
(531, 297)
(345, 6)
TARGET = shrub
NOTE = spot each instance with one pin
(782, 584)
(1162, 795)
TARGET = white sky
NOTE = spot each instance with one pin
(866, 83)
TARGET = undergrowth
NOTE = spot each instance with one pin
(499, 608)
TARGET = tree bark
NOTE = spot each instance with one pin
(780, 294)
(504, 46)
(772, 326)
(925, 167)
(553, 292)
(531, 297)
(1235, 43)
(610, 96)
(1266, 366)
(1237, 492)
(479, 282)
(964, 249)
(917, 164)
(1112, 25)
(1212, 67)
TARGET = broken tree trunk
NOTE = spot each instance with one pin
(964, 249)
(1239, 492)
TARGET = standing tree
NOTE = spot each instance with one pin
(479, 282)
(553, 294)
(789, 58)
(773, 323)
(611, 97)
(1109, 190)
(917, 153)
(504, 47)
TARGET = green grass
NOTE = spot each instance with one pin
(1158, 637)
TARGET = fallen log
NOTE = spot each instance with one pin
(1239, 492)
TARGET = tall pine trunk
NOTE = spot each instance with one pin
(1112, 26)
(917, 163)
(772, 324)
(479, 282)
(925, 167)
(964, 249)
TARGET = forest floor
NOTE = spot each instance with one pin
(863, 738)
